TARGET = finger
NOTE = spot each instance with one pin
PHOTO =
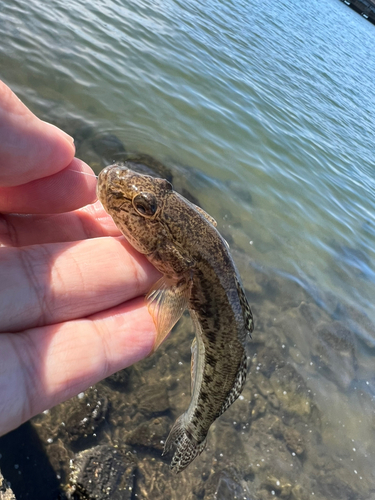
(45, 366)
(29, 148)
(62, 192)
(91, 221)
(46, 284)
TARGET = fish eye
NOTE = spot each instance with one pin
(145, 204)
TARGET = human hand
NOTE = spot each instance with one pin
(71, 289)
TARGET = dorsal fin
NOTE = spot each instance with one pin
(206, 215)
(246, 311)
(238, 384)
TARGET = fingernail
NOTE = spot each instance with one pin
(67, 136)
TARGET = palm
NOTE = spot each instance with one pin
(71, 289)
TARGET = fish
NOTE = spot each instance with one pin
(182, 241)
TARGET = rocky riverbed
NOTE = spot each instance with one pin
(275, 441)
(281, 439)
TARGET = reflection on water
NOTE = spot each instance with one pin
(272, 110)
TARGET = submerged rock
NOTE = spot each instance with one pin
(74, 420)
(85, 416)
(119, 381)
(335, 352)
(299, 493)
(227, 484)
(107, 146)
(99, 149)
(153, 399)
(6, 492)
(294, 441)
(147, 164)
(277, 486)
(102, 473)
(150, 434)
(291, 391)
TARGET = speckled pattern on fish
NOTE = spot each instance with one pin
(182, 242)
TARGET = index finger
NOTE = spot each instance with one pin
(69, 189)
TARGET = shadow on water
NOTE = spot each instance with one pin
(26, 466)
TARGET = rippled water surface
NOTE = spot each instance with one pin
(265, 113)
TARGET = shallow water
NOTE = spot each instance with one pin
(271, 109)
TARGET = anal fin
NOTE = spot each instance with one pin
(187, 448)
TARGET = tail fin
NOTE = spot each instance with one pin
(187, 447)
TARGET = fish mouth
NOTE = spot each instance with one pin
(111, 178)
(112, 172)
(102, 184)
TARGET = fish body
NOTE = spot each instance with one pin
(182, 242)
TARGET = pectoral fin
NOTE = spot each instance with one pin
(167, 300)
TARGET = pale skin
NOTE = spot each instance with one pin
(72, 308)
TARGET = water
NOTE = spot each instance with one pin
(266, 106)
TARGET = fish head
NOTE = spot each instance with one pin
(135, 201)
